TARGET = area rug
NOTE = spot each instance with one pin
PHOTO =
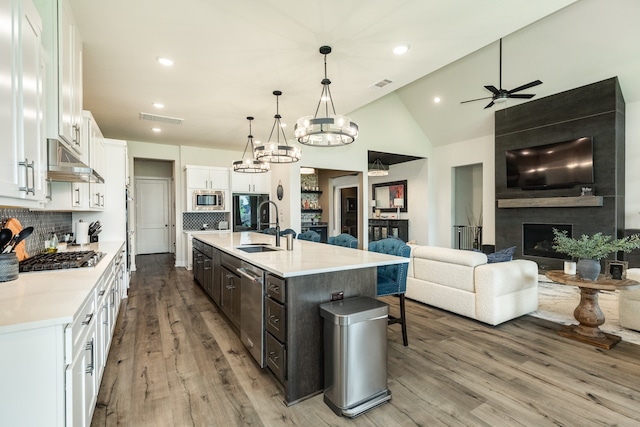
(556, 303)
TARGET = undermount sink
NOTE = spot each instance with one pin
(257, 248)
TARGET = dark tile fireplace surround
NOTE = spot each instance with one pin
(595, 110)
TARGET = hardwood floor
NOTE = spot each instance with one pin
(175, 361)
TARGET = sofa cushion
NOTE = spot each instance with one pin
(446, 266)
(448, 255)
(502, 255)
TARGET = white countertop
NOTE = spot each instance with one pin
(208, 231)
(305, 258)
(47, 298)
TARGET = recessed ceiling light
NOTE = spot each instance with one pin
(156, 130)
(436, 99)
(401, 49)
(165, 61)
(158, 104)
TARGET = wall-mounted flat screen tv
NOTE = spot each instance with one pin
(558, 165)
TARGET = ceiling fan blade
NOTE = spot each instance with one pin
(489, 105)
(522, 96)
(527, 86)
(492, 89)
(477, 99)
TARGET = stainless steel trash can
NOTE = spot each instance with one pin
(355, 355)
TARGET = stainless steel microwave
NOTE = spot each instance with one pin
(207, 200)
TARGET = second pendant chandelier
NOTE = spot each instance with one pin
(275, 151)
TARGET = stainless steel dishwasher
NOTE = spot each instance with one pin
(252, 311)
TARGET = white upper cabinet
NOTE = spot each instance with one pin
(251, 182)
(207, 178)
(23, 164)
(83, 196)
(70, 79)
(63, 44)
(95, 141)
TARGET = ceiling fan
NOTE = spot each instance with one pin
(501, 95)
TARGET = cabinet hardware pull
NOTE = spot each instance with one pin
(31, 166)
(28, 165)
(89, 347)
(77, 202)
(87, 319)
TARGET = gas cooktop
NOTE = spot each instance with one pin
(61, 261)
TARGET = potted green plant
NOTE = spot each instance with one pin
(589, 250)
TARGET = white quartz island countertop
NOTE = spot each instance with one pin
(47, 298)
(305, 258)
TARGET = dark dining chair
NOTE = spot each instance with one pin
(309, 235)
(288, 231)
(344, 239)
(270, 230)
(392, 279)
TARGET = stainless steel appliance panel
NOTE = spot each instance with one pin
(207, 200)
(252, 311)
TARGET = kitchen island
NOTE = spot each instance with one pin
(296, 283)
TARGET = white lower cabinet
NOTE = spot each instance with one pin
(59, 367)
(81, 391)
(88, 340)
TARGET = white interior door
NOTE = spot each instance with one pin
(152, 216)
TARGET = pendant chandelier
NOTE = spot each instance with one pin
(274, 152)
(332, 130)
(378, 169)
(250, 165)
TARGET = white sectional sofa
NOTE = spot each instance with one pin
(464, 283)
(629, 303)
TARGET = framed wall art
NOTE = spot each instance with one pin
(385, 193)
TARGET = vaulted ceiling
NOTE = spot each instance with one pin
(231, 55)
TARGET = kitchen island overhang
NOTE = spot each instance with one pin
(306, 258)
(308, 276)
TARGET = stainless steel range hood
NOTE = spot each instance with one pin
(64, 165)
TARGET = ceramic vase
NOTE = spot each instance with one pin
(588, 269)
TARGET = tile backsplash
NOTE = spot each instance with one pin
(195, 220)
(43, 223)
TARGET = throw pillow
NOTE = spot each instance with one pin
(502, 255)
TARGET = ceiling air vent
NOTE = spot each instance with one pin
(162, 119)
(380, 84)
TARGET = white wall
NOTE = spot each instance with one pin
(418, 197)
(632, 166)
(445, 158)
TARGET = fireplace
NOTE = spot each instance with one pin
(537, 239)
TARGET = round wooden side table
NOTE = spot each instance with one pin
(588, 311)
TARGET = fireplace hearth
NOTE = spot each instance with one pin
(537, 239)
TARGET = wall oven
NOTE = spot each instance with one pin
(207, 200)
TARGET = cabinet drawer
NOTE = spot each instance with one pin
(275, 319)
(276, 358)
(207, 250)
(230, 262)
(276, 288)
(81, 325)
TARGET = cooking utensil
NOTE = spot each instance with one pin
(17, 239)
(5, 237)
(14, 225)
